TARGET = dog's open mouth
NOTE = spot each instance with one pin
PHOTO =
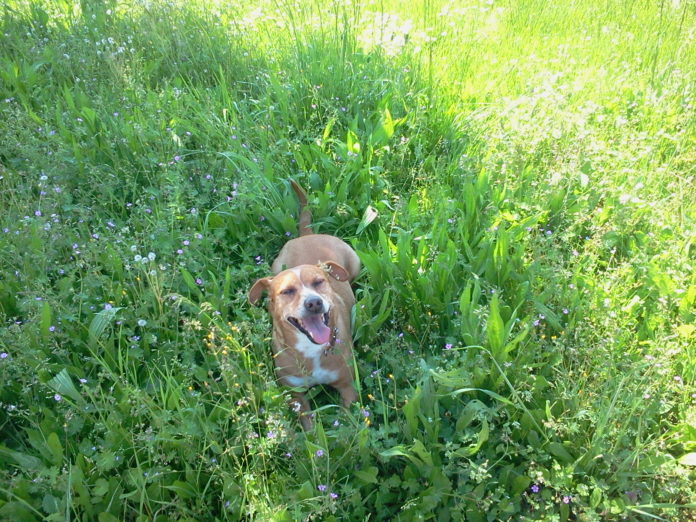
(315, 327)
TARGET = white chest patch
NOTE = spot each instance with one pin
(318, 375)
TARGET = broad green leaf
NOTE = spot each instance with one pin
(367, 475)
(100, 321)
(27, 462)
(474, 448)
(560, 452)
(487, 392)
(368, 217)
(495, 330)
(45, 319)
(63, 385)
(519, 484)
(53, 443)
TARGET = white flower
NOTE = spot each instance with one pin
(137, 258)
(142, 322)
(151, 256)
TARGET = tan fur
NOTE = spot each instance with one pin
(317, 266)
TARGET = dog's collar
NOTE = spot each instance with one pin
(332, 344)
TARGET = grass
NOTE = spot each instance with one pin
(525, 319)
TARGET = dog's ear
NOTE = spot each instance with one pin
(336, 271)
(258, 288)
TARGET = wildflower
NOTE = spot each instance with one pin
(321, 487)
(288, 455)
(333, 495)
(319, 453)
(83, 381)
(37, 213)
(4, 355)
(199, 236)
(565, 311)
(535, 488)
(151, 256)
(57, 397)
(138, 258)
(199, 281)
(179, 251)
(566, 499)
(108, 306)
(448, 346)
(270, 435)
(365, 413)
(51, 328)
(142, 322)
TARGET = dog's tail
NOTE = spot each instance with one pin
(305, 215)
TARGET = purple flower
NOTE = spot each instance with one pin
(566, 499)
(448, 346)
(365, 413)
(37, 213)
(179, 251)
(333, 495)
(4, 355)
(319, 453)
(177, 158)
(57, 397)
(107, 306)
(535, 488)
(321, 487)
(199, 281)
(51, 328)
(186, 242)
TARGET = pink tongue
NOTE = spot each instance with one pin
(317, 329)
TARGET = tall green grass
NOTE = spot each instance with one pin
(516, 177)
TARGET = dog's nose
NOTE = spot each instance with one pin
(314, 304)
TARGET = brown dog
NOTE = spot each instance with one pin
(310, 302)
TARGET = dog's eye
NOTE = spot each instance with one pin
(318, 283)
(288, 291)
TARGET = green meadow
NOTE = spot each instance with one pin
(518, 178)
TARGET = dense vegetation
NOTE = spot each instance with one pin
(518, 178)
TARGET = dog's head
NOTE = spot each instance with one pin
(301, 299)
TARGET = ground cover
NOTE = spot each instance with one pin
(517, 177)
